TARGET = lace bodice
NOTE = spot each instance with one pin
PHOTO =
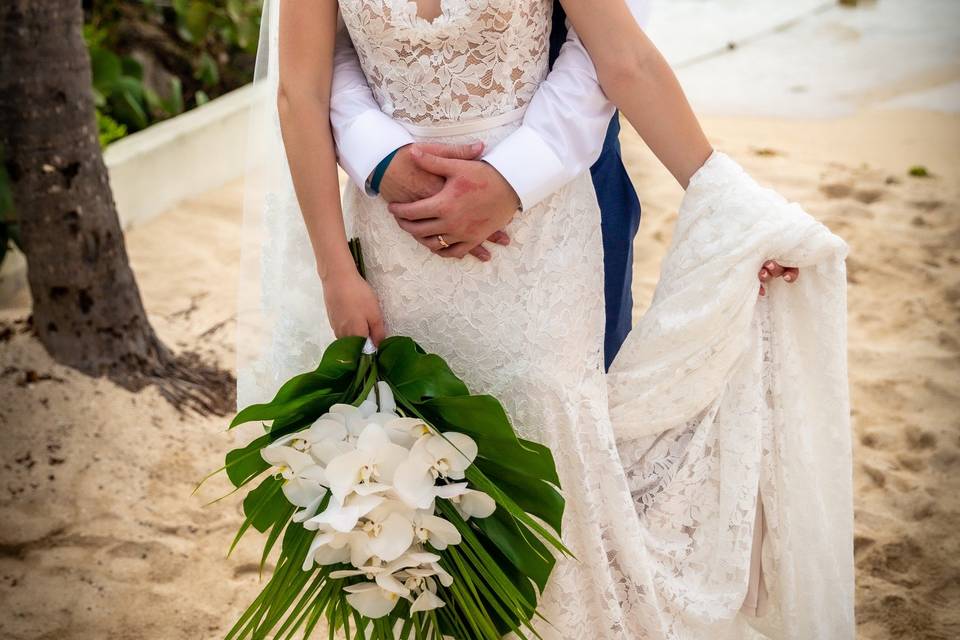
(479, 58)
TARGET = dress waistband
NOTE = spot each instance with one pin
(464, 127)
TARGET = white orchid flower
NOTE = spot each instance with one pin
(368, 469)
(445, 456)
(438, 532)
(355, 419)
(421, 581)
(425, 573)
(345, 517)
(326, 439)
(303, 479)
(450, 454)
(310, 510)
(406, 431)
(385, 533)
(474, 504)
(378, 570)
(328, 547)
(371, 600)
(387, 402)
(378, 598)
(426, 601)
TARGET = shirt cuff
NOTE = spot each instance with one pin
(370, 138)
(529, 164)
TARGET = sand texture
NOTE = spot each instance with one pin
(100, 537)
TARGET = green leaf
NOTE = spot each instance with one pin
(207, 72)
(131, 86)
(235, 10)
(127, 107)
(195, 21)
(524, 551)
(245, 464)
(266, 505)
(533, 495)
(107, 69)
(248, 35)
(260, 501)
(415, 374)
(174, 104)
(131, 67)
(316, 403)
(484, 419)
(304, 393)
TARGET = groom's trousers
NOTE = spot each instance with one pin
(620, 218)
(619, 221)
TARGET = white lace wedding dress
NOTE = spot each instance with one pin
(711, 397)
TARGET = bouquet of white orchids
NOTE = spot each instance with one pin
(405, 507)
(378, 475)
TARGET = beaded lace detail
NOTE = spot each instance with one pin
(478, 58)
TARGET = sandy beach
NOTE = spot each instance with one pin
(102, 539)
(100, 536)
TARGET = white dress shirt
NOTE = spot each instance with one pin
(561, 135)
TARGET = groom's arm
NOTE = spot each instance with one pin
(364, 135)
(564, 127)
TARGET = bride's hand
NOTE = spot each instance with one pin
(353, 308)
(771, 270)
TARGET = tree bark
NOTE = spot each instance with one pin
(87, 309)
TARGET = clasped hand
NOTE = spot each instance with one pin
(448, 200)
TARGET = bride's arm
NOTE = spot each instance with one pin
(307, 36)
(639, 81)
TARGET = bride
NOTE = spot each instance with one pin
(707, 475)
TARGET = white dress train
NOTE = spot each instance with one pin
(715, 399)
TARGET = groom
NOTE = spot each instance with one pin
(568, 126)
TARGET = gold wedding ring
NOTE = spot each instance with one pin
(443, 243)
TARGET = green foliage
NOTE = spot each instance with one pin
(8, 226)
(200, 48)
(110, 129)
(919, 171)
(504, 560)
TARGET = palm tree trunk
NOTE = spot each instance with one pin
(87, 309)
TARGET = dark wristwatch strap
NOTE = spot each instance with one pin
(380, 171)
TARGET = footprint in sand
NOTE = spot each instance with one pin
(900, 556)
(836, 190)
(153, 558)
(868, 196)
(862, 543)
(911, 463)
(926, 205)
(878, 477)
(919, 439)
(252, 568)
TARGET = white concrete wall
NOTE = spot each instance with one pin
(177, 159)
(174, 160)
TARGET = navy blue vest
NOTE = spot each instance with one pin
(620, 217)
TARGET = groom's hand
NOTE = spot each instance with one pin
(475, 204)
(407, 181)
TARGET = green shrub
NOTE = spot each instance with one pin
(198, 50)
(8, 225)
